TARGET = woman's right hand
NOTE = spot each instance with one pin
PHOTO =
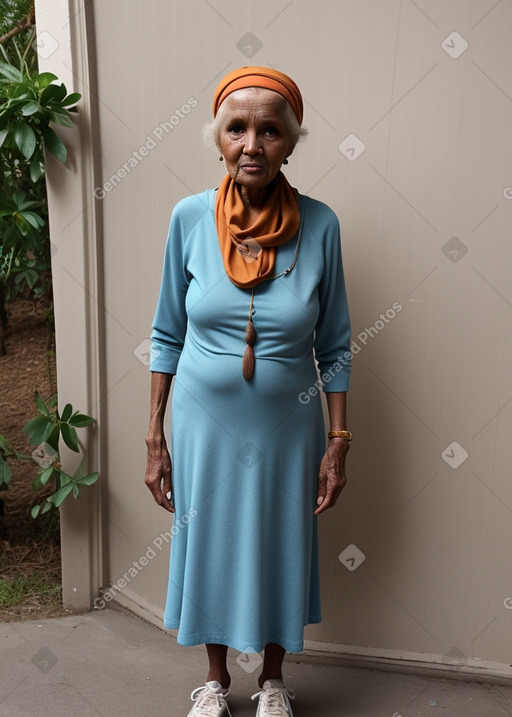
(158, 471)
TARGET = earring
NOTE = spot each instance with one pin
(221, 158)
(285, 161)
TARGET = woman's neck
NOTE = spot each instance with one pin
(254, 199)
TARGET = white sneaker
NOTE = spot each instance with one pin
(274, 700)
(210, 701)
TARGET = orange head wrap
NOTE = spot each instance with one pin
(264, 77)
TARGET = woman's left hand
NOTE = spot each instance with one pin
(332, 478)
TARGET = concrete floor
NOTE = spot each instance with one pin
(112, 663)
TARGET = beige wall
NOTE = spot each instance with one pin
(425, 211)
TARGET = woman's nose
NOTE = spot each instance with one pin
(252, 144)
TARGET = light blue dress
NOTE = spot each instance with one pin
(246, 454)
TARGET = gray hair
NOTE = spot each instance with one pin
(211, 130)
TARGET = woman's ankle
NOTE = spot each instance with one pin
(224, 679)
(269, 676)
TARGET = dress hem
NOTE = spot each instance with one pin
(243, 646)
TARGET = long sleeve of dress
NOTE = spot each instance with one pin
(332, 333)
(170, 321)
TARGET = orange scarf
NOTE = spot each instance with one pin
(249, 253)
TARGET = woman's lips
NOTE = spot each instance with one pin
(252, 167)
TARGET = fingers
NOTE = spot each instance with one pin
(158, 480)
(321, 494)
(329, 491)
(160, 493)
(167, 497)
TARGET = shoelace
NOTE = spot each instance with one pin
(209, 702)
(275, 701)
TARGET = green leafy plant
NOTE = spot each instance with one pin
(44, 432)
(30, 102)
(17, 29)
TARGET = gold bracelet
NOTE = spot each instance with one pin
(340, 434)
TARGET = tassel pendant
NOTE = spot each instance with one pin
(250, 339)
(248, 359)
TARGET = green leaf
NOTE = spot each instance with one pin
(70, 437)
(63, 492)
(35, 170)
(76, 490)
(33, 219)
(11, 237)
(12, 74)
(65, 478)
(22, 201)
(44, 79)
(46, 507)
(5, 472)
(71, 99)
(52, 93)
(40, 404)
(45, 476)
(35, 511)
(25, 230)
(54, 144)
(62, 119)
(38, 429)
(24, 457)
(66, 413)
(19, 92)
(53, 400)
(25, 139)
(36, 482)
(3, 135)
(30, 277)
(88, 480)
(53, 438)
(30, 108)
(80, 420)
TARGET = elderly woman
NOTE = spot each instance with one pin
(252, 293)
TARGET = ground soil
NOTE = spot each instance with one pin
(27, 545)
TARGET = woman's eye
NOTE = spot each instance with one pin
(271, 131)
(235, 129)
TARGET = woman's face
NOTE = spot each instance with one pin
(253, 137)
